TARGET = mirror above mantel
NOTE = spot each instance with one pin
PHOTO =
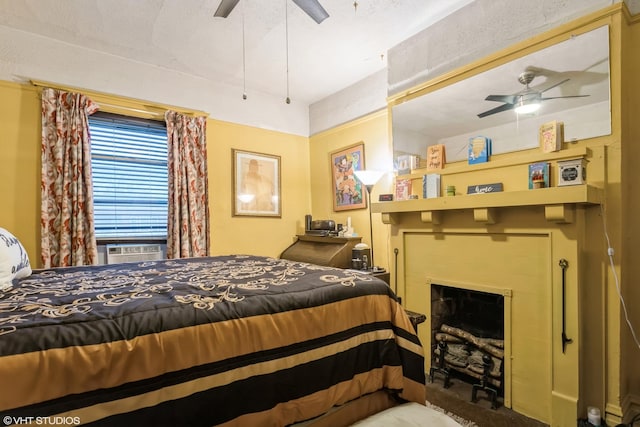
(450, 115)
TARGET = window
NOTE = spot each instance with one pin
(129, 167)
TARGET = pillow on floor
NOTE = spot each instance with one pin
(408, 415)
(14, 261)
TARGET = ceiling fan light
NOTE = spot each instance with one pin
(527, 107)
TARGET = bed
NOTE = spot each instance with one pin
(230, 340)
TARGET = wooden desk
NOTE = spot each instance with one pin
(322, 250)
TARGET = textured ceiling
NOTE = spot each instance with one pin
(183, 35)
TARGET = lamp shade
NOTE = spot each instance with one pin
(369, 177)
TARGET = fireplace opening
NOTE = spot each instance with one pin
(468, 327)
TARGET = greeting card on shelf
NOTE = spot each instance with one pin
(551, 135)
(539, 175)
(435, 157)
(479, 149)
(406, 163)
(431, 185)
(403, 189)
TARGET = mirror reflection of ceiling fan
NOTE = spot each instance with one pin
(527, 100)
(313, 8)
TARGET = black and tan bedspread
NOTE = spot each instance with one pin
(230, 340)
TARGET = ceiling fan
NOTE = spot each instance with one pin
(527, 100)
(313, 8)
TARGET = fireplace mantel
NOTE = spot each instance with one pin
(557, 201)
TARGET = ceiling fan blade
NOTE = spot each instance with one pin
(313, 8)
(557, 84)
(225, 8)
(509, 99)
(559, 97)
(499, 109)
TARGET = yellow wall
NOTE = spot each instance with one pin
(373, 130)
(256, 235)
(20, 178)
(20, 165)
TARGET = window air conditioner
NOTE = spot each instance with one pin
(133, 253)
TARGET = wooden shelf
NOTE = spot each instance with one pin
(524, 158)
(557, 202)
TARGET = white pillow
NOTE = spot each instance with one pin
(14, 261)
(409, 414)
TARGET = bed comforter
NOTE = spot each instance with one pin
(229, 340)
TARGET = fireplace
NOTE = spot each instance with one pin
(532, 249)
(467, 338)
(507, 274)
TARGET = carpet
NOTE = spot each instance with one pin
(459, 420)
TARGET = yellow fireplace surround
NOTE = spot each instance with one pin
(511, 243)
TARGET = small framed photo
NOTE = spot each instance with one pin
(256, 184)
(348, 192)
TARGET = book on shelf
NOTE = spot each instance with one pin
(551, 135)
(539, 175)
(479, 150)
(403, 189)
(431, 185)
(406, 163)
(435, 157)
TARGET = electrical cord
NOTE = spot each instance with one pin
(610, 253)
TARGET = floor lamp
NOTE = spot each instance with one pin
(369, 178)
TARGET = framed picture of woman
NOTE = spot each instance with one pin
(348, 191)
(256, 184)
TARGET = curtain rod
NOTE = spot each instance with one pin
(99, 97)
(123, 107)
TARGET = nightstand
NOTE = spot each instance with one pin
(384, 276)
(416, 318)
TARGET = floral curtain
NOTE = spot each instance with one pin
(188, 223)
(67, 225)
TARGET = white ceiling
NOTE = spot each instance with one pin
(183, 35)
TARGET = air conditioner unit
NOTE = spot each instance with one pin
(133, 253)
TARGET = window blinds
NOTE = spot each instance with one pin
(129, 167)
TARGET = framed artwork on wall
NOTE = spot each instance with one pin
(256, 184)
(348, 192)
